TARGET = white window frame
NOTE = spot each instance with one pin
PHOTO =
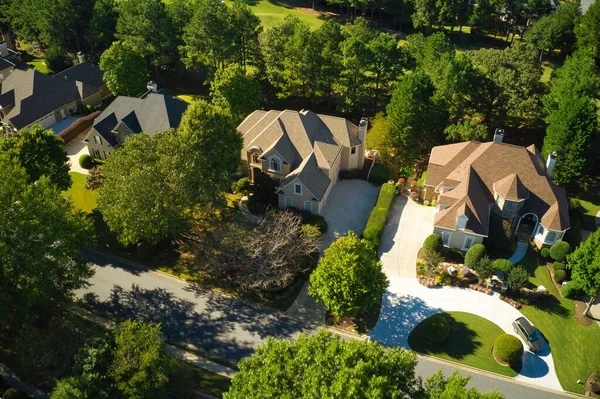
(461, 222)
(255, 158)
(465, 243)
(353, 150)
(295, 186)
(547, 239)
(275, 161)
(309, 208)
(449, 233)
(285, 202)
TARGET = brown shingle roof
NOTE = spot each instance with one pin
(511, 188)
(495, 162)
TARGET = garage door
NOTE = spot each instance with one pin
(47, 121)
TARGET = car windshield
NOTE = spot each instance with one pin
(533, 337)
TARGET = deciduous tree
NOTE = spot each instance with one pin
(40, 152)
(125, 71)
(588, 30)
(233, 89)
(584, 263)
(439, 386)
(348, 279)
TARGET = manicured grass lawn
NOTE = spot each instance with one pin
(588, 220)
(469, 342)
(421, 181)
(82, 198)
(575, 348)
(272, 12)
(28, 56)
(188, 98)
(209, 382)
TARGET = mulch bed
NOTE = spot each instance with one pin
(588, 381)
(581, 319)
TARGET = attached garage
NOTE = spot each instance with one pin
(47, 121)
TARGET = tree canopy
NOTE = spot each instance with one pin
(233, 89)
(40, 152)
(349, 278)
(125, 71)
(584, 263)
(41, 236)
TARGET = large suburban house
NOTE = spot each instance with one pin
(28, 96)
(153, 112)
(473, 181)
(304, 151)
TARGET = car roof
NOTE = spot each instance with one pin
(527, 326)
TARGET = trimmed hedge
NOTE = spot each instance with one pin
(433, 243)
(559, 250)
(376, 222)
(545, 253)
(558, 266)
(503, 265)
(379, 174)
(241, 186)
(559, 276)
(435, 329)
(571, 290)
(85, 161)
(474, 255)
(508, 349)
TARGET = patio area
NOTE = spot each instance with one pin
(62, 125)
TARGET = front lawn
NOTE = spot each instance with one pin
(211, 383)
(469, 342)
(588, 219)
(82, 198)
(575, 348)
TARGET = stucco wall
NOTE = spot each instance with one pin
(298, 200)
(457, 238)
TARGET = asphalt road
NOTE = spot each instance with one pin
(227, 328)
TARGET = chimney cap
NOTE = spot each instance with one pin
(363, 121)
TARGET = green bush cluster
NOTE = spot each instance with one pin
(508, 349)
(435, 329)
(559, 250)
(379, 174)
(443, 278)
(433, 243)
(558, 266)
(319, 222)
(502, 265)
(545, 252)
(559, 276)
(517, 278)
(474, 255)
(376, 222)
(14, 393)
(570, 290)
(241, 186)
(86, 162)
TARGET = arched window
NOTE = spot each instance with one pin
(275, 164)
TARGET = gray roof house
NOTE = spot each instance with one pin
(28, 97)
(125, 116)
(303, 150)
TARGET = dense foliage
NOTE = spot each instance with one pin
(124, 70)
(349, 278)
(584, 263)
(378, 217)
(559, 250)
(474, 254)
(508, 349)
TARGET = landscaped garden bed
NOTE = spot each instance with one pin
(469, 340)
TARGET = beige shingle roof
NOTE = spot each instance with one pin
(513, 169)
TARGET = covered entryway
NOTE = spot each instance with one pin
(527, 226)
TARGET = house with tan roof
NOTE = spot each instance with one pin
(304, 151)
(473, 181)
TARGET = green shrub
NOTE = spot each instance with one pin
(502, 265)
(545, 252)
(435, 329)
(319, 222)
(433, 243)
(558, 266)
(570, 290)
(241, 186)
(379, 174)
(86, 162)
(575, 207)
(99, 161)
(350, 174)
(14, 393)
(501, 234)
(484, 267)
(559, 276)
(508, 349)
(443, 278)
(474, 255)
(145, 251)
(559, 250)
(517, 278)
(376, 222)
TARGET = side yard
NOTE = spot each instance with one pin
(574, 346)
(82, 198)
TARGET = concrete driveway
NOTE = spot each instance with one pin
(74, 150)
(348, 208)
(407, 227)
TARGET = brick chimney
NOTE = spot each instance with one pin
(498, 135)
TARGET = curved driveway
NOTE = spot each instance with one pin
(407, 303)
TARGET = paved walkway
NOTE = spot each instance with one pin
(520, 252)
(407, 227)
(74, 150)
(407, 303)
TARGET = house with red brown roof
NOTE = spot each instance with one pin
(473, 181)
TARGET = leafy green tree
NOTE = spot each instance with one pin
(100, 33)
(517, 278)
(354, 65)
(584, 263)
(209, 35)
(329, 366)
(147, 27)
(439, 386)
(555, 30)
(326, 58)
(466, 130)
(40, 152)
(125, 71)
(425, 14)
(140, 365)
(385, 64)
(482, 16)
(573, 134)
(416, 117)
(511, 83)
(41, 237)
(588, 30)
(246, 30)
(233, 89)
(348, 279)
(57, 59)
(379, 139)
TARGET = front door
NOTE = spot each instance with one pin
(288, 202)
(308, 206)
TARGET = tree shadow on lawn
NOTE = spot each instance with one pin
(461, 341)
